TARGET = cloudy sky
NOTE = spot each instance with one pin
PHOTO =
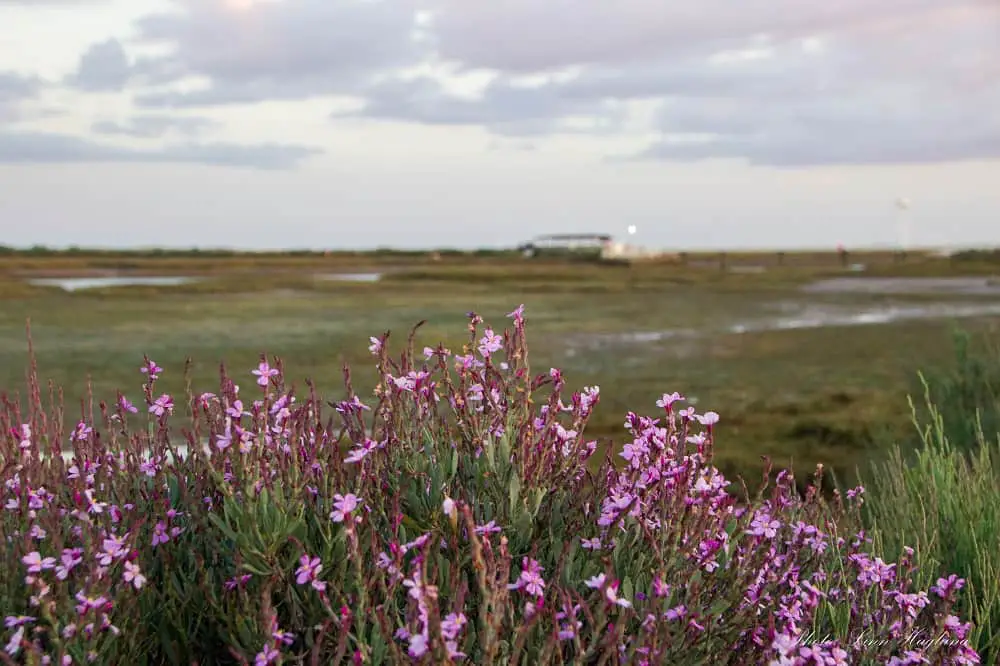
(462, 123)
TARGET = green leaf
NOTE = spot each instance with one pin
(167, 644)
(379, 648)
(256, 563)
(523, 526)
(489, 457)
(628, 589)
(719, 607)
(223, 527)
(514, 491)
(174, 490)
(537, 496)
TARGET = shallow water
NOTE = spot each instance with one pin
(78, 283)
(182, 449)
(817, 317)
(351, 277)
(803, 316)
(977, 286)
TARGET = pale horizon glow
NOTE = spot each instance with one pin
(238, 5)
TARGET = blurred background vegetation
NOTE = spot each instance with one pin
(800, 375)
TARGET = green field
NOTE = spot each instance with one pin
(800, 395)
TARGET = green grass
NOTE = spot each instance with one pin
(938, 489)
(967, 395)
(943, 499)
(799, 396)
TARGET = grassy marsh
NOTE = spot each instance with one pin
(800, 395)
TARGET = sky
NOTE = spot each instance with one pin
(349, 124)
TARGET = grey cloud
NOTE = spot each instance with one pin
(51, 3)
(874, 98)
(43, 148)
(794, 148)
(504, 107)
(104, 67)
(888, 129)
(877, 91)
(531, 36)
(873, 75)
(155, 126)
(15, 89)
(289, 50)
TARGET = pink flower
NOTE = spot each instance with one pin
(134, 575)
(126, 406)
(530, 580)
(112, 549)
(611, 593)
(151, 369)
(88, 604)
(162, 405)
(17, 620)
(418, 646)
(14, 645)
(490, 343)
(708, 418)
(264, 372)
(25, 442)
(358, 454)
(266, 657)
(160, 534)
(488, 528)
(36, 563)
(284, 637)
(93, 506)
(71, 557)
(308, 572)
(343, 506)
(669, 399)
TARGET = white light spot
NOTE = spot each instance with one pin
(238, 5)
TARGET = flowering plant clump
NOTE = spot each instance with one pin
(460, 516)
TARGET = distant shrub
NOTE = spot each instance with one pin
(984, 255)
